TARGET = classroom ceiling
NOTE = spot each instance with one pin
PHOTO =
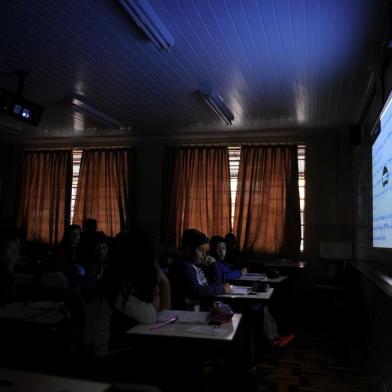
(278, 65)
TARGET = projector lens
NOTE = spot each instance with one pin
(26, 113)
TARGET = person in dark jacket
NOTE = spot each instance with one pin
(196, 278)
(218, 250)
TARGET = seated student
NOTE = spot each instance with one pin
(88, 240)
(196, 278)
(96, 307)
(69, 255)
(138, 289)
(89, 232)
(218, 251)
(233, 255)
(9, 255)
(94, 262)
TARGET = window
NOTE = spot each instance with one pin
(234, 164)
(76, 158)
(301, 186)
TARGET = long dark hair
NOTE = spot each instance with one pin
(132, 267)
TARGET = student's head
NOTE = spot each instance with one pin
(230, 240)
(90, 225)
(133, 261)
(101, 248)
(72, 235)
(218, 247)
(194, 245)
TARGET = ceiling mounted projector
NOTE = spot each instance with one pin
(15, 105)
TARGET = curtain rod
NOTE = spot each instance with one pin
(47, 149)
(241, 144)
(102, 147)
(76, 148)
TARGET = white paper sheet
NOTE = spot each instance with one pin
(183, 316)
(239, 290)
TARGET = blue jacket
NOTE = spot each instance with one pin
(226, 272)
(195, 283)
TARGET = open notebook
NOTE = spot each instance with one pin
(239, 290)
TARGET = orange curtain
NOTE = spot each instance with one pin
(45, 194)
(198, 194)
(267, 213)
(103, 192)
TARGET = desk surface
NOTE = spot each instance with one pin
(224, 332)
(254, 277)
(285, 264)
(18, 381)
(258, 296)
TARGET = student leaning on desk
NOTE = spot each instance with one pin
(196, 279)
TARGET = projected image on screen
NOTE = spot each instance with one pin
(381, 172)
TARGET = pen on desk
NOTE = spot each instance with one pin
(162, 324)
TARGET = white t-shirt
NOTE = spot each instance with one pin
(142, 312)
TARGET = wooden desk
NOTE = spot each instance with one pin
(223, 333)
(42, 313)
(185, 351)
(29, 329)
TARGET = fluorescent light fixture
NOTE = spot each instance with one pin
(81, 105)
(215, 101)
(149, 22)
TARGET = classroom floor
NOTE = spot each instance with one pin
(318, 362)
(327, 355)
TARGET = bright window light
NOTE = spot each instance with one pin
(234, 164)
(76, 158)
